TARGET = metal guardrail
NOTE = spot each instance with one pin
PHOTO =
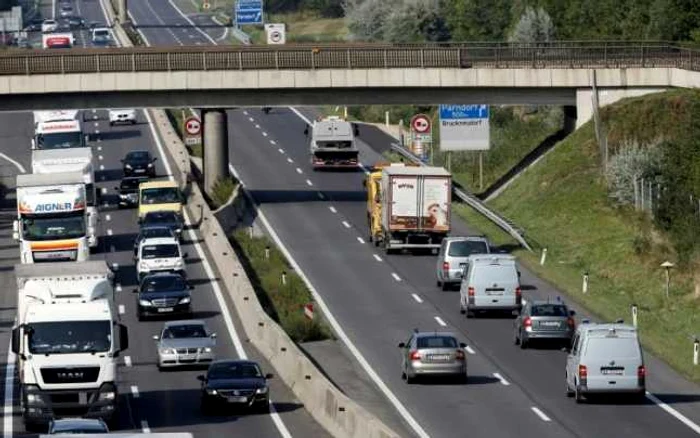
(350, 56)
(473, 202)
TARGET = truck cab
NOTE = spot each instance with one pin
(332, 143)
(160, 196)
(58, 130)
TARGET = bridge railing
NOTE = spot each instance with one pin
(350, 56)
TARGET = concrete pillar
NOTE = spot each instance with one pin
(122, 12)
(215, 144)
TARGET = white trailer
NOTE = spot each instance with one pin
(51, 161)
(416, 207)
(52, 223)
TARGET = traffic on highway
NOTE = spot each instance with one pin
(119, 324)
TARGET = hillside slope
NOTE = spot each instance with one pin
(562, 202)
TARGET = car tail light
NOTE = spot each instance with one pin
(570, 321)
(445, 267)
(527, 322)
(470, 291)
(582, 373)
(518, 293)
(641, 375)
(414, 355)
(460, 355)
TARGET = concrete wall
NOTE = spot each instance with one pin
(606, 96)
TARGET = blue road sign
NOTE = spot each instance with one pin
(451, 112)
(249, 12)
(257, 5)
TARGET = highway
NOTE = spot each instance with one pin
(150, 400)
(377, 300)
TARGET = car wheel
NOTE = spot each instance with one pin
(133, 122)
(111, 123)
(205, 406)
(577, 395)
(445, 286)
(410, 379)
(516, 339)
(470, 314)
(569, 392)
(439, 283)
(524, 343)
(262, 408)
(141, 317)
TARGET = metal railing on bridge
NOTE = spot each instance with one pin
(563, 54)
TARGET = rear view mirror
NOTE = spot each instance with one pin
(123, 337)
(402, 345)
(156, 337)
(306, 131)
(462, 345)
(572, 313)
(15, 340)
(269, 376)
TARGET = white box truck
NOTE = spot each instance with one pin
(51, 161)
(52, 223)
(58, 130)
(415, 205)
(67, 343)
(332, 144)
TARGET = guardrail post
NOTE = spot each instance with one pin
(459, 57)
(204, 61)
(26, 65)
(386, 59)
(133, 62)
(422, 58)
(167, 60)
(63, 64)
(97, 62)
(277, 60)
(240, 60)
(349, 62)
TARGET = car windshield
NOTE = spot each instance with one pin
(60, 140)
(160, 218)
(69, 337)
(549, 310)
(165, 283)
(161, 195)
(137, 155)
(465, 248)
(101, 33)
(71, 428)
(234, 371)
(159, 251)
(148, 233)
(58, 226)
(437, 342)
(334, 144)
(185, 331)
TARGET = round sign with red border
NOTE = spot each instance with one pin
(275, 36)
(421, 124)
(193, 126)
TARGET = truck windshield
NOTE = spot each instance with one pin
(60, 140)
(160, 195)
(334, 144)
(159, 251)
(68, 337)
(54, 226)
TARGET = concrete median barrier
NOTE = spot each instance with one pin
(336, 412)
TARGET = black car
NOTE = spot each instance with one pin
(235, 383)
(151, 231)
(129, 191)
(139, 163)
(163, 294)
(168, 219)
(76, 22)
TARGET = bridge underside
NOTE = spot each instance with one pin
(288, 97)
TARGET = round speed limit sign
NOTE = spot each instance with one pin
(193, 126)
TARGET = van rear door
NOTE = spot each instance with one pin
(494, 285)
(612, 362)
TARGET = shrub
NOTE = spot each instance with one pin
(222, 191)
(631, 163)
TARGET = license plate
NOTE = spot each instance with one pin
(139, 170)
(612, 372)
(439, 356)
(165, 309)
(237, 399)
(549, 324)
(494, 292)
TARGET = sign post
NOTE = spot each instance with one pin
(193, 131)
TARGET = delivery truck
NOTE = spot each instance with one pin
(67, 338)
(408, 207)
(332, 144)
(58, 130)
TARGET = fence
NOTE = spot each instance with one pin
(350, 56)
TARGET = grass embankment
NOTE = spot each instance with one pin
(177, 120)
(283, 302)
(562, 202)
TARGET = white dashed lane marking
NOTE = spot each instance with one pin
(440, 321)
(346, 224)
(361, 240)
(331, 208)
(100, 157)
(135, 391)
(308, 182)
(500, 377)
(119, 287)
(251, 119)
(144, 423)
(289, 160)
(396, 276)
(122, 309)
(417, 298)
(320, 195)
(377, 258)
(540, 414)
(109, 232)
(102, 167)
(272, 142)
(108, 217)
(281, 150)
(127, 361)
(257, 126)
(299, 171)
(470, 350)
(264, 134)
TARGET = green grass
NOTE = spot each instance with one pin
(562, 204)
(283, 302)
(222, 191)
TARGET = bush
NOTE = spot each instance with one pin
(326, 8)
(283, 302)
(222, 191)
(631, 163)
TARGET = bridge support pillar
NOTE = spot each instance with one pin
(122, 12)
(215, 145)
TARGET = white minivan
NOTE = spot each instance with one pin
(491, 283)
(159, 254)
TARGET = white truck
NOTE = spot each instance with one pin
(67, 338)
(332, 144)
(58, 130)
(52, 223)
(64, 40)
(52, 161)
(126, 435)
(415, 205)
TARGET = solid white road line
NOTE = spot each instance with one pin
(144, 427)
(122, 309)
(127, 361)
(440, 321)
(540, 414)
(16, 163)
(8, 416)
(331, 208)
(377, 258)
(500, 377)
(135, 391)
(309, 183)
(417, 298)
(470, 350)
(396, 276)
(674, 413)
(346, 224)
(361, 240)
(401, 409)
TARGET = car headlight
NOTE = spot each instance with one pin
(211, 391)
(178, 263)
(184, 300)
(128, 166)
(143, 266)
(33, 398)
(207, 350)
(109, 395)
(150, 164)
(262, 390)
(167, 351)
(178, 231)
(145, 303)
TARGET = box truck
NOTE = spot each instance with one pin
(332, 144)
(58, 130)
(408, 207)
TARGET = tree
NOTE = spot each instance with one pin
(326, 8)
(535, 25)
(366, 18)
(414, 21)
(7, 4)
(478, 20)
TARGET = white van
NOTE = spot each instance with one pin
(491, 283)
(605, 359)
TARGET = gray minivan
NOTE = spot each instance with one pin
(453, 255)
(604, 359)
(490, 283)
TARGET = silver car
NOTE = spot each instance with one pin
(541, 320)
(433, 354)
(185, 343)
(453, 257)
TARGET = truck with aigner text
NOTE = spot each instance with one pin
(408, 207)
(67, 338)
(52, 221)
(332, 143)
